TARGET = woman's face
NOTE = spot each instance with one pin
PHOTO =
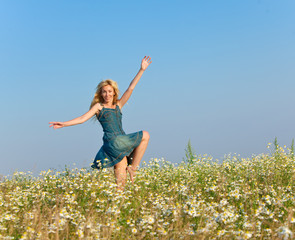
(107, 92)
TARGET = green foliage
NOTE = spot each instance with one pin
(248, 198)
(292, 148)
(276, 145)
(190, 154)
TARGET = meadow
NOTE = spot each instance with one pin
(247, 198)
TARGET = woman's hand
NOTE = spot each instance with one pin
(56, 125)
(146, 61)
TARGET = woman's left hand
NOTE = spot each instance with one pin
(56, 125)
(146, 61)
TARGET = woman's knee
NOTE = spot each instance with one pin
(145, 136)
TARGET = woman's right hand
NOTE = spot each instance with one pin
(56, 125)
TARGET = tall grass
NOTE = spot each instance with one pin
(237, 199)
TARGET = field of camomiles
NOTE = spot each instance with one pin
(251, 198)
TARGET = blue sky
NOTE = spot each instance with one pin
(222, 76)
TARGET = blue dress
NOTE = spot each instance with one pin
(116, 143)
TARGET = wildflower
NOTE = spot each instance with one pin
(285, 233)
(221, 232)
(151, 220)
(165, 224)
(134, 230)
(223, 202)
(248, 235)
(162, 231)
(2, 228)
(268, 231)
(247, 225)
(117, 211)
(192, 212)
(80, 233)
(62, 222)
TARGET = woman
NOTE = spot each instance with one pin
(117, 146)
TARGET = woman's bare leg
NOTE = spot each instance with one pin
(121, 174)
(138, 154)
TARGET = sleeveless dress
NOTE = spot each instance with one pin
(116, 143)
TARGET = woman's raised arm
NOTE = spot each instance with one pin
(97, 107)
(146, 61)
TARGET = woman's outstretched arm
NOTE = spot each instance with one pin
(97, 107)
(146, 61)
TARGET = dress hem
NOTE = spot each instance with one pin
(119, 158)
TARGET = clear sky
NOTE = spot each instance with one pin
(222, 76)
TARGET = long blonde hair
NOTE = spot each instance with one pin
(98, 97)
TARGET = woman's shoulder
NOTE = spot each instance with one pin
(98, 106)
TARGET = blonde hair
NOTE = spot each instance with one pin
(98, 97)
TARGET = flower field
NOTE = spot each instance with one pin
(251, 198)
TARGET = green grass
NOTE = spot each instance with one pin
(197, 199)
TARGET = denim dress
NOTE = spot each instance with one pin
(116, 143)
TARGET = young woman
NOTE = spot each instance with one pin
(123, 151)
